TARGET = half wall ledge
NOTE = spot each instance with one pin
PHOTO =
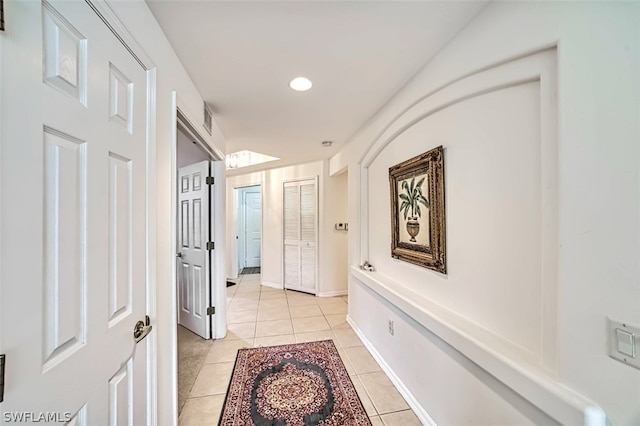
(502, 359)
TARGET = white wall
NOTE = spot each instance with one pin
(331, 270)
(334, 265)
(189, 152)
(492, 178)
(171, 77)
(537, 105)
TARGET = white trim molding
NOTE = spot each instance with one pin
(335, 293)
(111, 20)
(277, 286)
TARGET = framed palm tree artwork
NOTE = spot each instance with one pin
(417, 210)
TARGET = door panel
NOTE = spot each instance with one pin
(78, 142)
(120, 250)
(64, 286)
(308, 267)
(194, 279)
(120, 398)
(65, 55)
(291, 266)
(253, 227)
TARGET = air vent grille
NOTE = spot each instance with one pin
(208, 118)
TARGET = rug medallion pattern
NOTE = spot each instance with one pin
(301, 384)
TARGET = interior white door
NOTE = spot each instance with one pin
(253, 227)
(194, 276)
(74, 221)
(300, 235)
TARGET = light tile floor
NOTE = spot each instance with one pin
(262, 316)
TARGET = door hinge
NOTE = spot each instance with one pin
(210, 180)
(211, 310)
(2, 358)
(1, 15)
(211, 245)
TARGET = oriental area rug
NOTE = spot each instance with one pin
(301, 384)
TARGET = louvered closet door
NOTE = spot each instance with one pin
(300, 235)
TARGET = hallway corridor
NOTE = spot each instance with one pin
(262, 316)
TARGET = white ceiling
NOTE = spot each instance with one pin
(358, 54)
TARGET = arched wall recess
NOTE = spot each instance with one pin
(538, 66)
(529, 375)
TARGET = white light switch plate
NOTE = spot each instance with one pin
(624, 342)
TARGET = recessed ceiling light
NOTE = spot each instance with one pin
(300, 84)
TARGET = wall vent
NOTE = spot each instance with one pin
(208, 118)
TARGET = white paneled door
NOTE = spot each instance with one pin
(253, 226)
(74, 219)
(300, 235)
(194, 277)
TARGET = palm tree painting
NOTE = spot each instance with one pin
(417, 210)
(414, 208)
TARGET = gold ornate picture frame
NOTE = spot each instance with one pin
(418, 211)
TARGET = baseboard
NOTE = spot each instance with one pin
(272, 285)
(332, 293)
(417, 408)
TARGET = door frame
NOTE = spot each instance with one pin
(180, 112)
(241, 224)
(232, 218)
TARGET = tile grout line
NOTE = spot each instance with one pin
(255, 327)
(331, 331)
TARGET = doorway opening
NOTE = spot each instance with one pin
(249, 232)
(198, 267)
(194, 238)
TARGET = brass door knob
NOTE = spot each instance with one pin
(141, 329)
